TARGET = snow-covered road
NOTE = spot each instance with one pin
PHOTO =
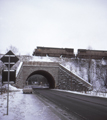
(25, 107)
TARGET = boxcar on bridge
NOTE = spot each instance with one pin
(54, 52)
(92, 54)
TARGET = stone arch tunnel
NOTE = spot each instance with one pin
(47, 75)
(56, 75)
(47, 69)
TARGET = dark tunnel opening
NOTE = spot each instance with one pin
(47, 75)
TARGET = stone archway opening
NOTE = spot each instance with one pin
(47, 77)
(38, 81)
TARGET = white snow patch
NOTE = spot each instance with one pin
(24, 107)
(89, 93)
(10, 87)
(67, 67)
(78, 76)
(103, 62)
(41, 59)
(18, 69)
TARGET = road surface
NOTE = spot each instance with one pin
(84, 107)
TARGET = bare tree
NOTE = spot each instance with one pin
(13, 49)
(89, 48)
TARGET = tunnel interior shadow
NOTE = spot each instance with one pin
(47, 75)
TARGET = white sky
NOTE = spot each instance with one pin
(76, 24)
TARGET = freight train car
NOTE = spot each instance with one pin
(91, 54)
(54, 52)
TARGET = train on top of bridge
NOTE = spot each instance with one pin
(69, 53)
(91, 54)
(54, 52)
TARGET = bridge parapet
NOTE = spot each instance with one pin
(33, 63)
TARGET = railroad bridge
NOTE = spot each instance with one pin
(57, 76)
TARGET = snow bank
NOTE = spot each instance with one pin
(17, 71)
(25, 107)
(11, 88)
(41, 59)
(91, 93)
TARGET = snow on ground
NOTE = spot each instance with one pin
(18, 68)
(10, 87)
(24, 107)
(89, 93)
(41, 59)
(29, 106)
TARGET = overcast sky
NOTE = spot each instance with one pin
(78, 24)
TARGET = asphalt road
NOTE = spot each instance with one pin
(85, 107)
